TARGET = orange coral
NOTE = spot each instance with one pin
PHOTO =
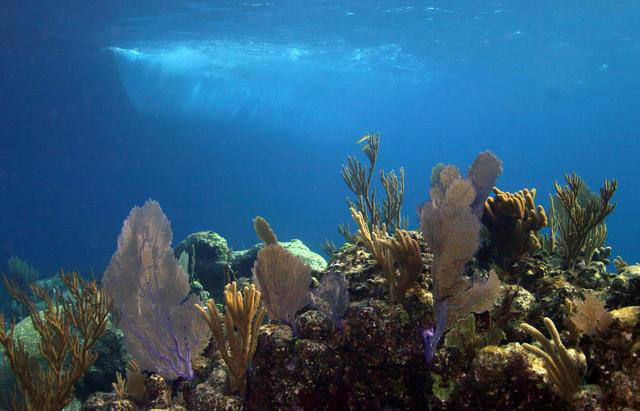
(588, 315)
(68, 354)
(406, 252)
(513, 220)
(242, 323)
(283, 280)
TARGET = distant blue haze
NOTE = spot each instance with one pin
(224, 110)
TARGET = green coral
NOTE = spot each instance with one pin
(582, 217)
(464, 337)
(27, 335)
(442, 392)
(357, 177)
(22, 272)
(435, 173)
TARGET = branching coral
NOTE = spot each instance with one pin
(563, 370)
(373, 242)
(575, 229)
(244, 314)
(406, 251)
(387, 251)
(513, 221)
(68, 330)
(358, 179)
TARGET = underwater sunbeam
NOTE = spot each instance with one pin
(226, 81)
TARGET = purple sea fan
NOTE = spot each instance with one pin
(283, 280)
(331, 297)
(426, 334)
(152, 303)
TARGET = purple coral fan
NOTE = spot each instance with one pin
(331, 297)
(427, 337)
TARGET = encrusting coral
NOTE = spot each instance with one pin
(513, 221)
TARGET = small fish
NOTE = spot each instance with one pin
(364, 147)
(363, 138)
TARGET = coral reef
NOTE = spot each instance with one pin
(376, 360)
(214, 262)
(417, 319)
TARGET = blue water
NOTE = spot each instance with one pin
(224, 110)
